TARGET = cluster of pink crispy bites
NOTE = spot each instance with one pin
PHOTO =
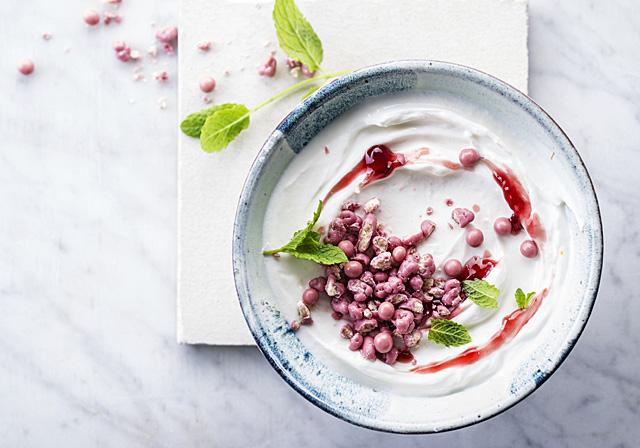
(386, 291)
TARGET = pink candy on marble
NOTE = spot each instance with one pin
(91, 17)
(26, 66)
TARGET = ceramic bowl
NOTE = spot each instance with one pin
(306, 372)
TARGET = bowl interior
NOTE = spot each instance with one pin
(329, 388)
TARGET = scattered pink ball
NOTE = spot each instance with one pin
(207, 84)
(347, 247)
(502, 226)
(167, 35)
(386, 310)
(452, 267)
(353, 269)
(26, 66)
(469, 157)
(474, 237)
(383, 342)
(529, 248)
(310, 296)
(91, 17)
(399, 253)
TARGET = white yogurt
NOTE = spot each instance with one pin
(444, 125)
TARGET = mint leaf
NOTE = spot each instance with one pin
(523, 299)
(305, 244)
(448, 333)
(321, 253)
(223, 126)
(296, 36)
(481, 292)
(192, 124)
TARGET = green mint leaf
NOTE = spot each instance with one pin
(192, 124)
(296, 36)
(223, 126)
(305, 244)
(312, 89)
(322, 254)
(481, 292)
(523, 299)
(448, 333)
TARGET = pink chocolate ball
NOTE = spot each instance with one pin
(469, 157)
(91, 17)
(452, 267)
(207, 84)
(386, 310)
(399, 253)
(353, 269)
(529, 248)
(502, 226)
(474, 237)
(383, 342)
(26, 66)
(347, 247)
(310, 296)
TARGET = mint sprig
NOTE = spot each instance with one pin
(523, 299)
(192, 124)
(223, 126)
(481, 292)
(219, 125)
(305, 244)
(448, 333)
(296, 35)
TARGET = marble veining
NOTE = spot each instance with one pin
(87, 277)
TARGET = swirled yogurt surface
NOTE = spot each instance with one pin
(442, 125)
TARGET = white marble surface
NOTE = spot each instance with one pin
(88, 235)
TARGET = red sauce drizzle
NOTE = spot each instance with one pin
(476, 268)
(518, 200)
(378, 162)
(511, 326)
(447, 164)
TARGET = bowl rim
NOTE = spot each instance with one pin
(499, 86)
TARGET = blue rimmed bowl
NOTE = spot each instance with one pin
(340, 395)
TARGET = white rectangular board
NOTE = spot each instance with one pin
(490, 35)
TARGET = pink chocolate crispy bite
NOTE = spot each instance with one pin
(386, 293)
(462, 216)
(268, 67)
